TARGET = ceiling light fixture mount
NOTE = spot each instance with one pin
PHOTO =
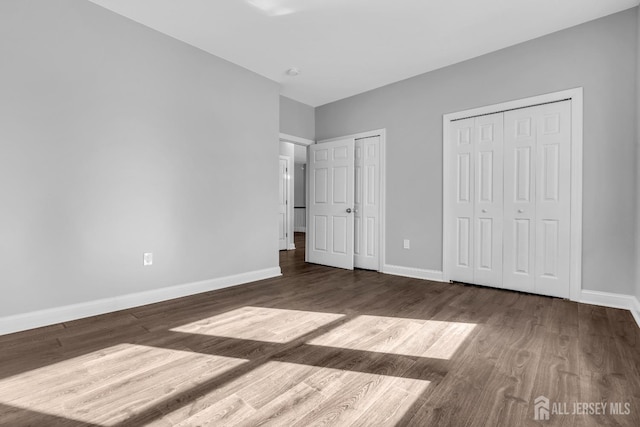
(293, 71)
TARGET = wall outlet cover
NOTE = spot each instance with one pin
(147, 259)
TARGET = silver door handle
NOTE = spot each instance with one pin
(348, 210)
(520, 211)
(484, 211)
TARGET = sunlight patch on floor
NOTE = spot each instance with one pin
(368, 397)
(267, 324)
(112, 383)
(399, 336)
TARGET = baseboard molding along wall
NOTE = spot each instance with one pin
(607, 299)
(51, 316)
(414, 273)
(36, 319)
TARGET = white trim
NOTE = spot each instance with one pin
(290, 210)
(299, 229)
(306, 210)
(575, 275)
(290, 202)
(36, 319)
(608, 299)
(296, 139)
(382, 133)
(415, 273)
(517, 103)
(635, 310)
(576, 95)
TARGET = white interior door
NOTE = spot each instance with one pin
(367, 203)
(512, 188)
(331, 203)
(476, 226)
(282, 203)
(461, 251)
(537, 199)
(520, 200)
(553, 204)
(488, 206)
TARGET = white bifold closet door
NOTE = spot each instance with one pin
(537, 199)
(511, 200)
(477, 202)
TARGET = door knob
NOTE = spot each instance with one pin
(520, 211)
(484, 211)
(348, 210)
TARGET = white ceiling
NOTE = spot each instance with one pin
(346, 47)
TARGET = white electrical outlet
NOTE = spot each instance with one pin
(147, 259)
(407, 244)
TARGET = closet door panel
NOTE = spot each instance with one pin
(519, 199)
(461, 250)
(553, 200)
(488, 206)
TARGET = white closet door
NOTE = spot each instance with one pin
(520, 199)
(367, 203)
(537, 199)
(553, 205)
(461, 250)
(488, 153)
(331, 196)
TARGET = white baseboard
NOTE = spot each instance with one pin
(607, 299)
(291, 247)
(36, 319)
(299, 229)
(635, 310)
(415, 273)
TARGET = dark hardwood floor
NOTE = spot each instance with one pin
(323, 346)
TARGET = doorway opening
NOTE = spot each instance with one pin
(293, 188)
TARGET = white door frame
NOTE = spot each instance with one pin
(304, 142)
(296, 140)
(383, 185)
(575, 279)
(288, 218)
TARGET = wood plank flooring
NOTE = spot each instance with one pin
(323, 346)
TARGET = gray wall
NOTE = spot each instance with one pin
(599, 55)
(297, 119)
(117, 140)
(299, 192)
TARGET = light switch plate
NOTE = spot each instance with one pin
(407, 244)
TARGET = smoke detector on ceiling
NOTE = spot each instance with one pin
(293, 72)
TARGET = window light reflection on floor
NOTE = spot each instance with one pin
(400, 336)
(274, 325)
(112, 383)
